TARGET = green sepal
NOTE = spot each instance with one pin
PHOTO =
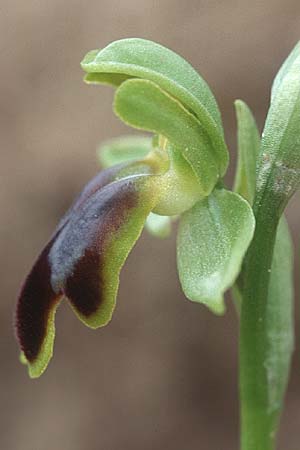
(212, 240)
(143, 105)
(150, 61)
(123, 149)
(158, 226)
(248, 149)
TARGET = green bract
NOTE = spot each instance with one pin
(279, 326)
(279, 162)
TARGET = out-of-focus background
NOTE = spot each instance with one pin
(163, 374)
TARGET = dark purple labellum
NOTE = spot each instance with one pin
(36, 300)
(73, 263)
(78, 253)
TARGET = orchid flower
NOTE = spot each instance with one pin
(176, 173)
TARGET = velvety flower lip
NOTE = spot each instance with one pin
(82, 260)
(77, 251)
(33, 309)
(97, 182)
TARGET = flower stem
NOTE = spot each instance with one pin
(258, 420)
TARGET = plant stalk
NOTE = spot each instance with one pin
(258, 421)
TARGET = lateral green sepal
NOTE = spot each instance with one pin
(212, 240)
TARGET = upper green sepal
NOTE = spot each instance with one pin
(212, 240)
(142, 59)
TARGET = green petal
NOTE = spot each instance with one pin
(123, 149)
(158, 226)
(112, 79)
(143, 105)
(248, 149)
(212, 239)
(145, 59)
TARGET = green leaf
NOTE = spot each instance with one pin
(150, 61)
(248, 149)
(143, 105)
(279, 164)
(158, 226)
(212, 240)
(279, 318)
(123, 149)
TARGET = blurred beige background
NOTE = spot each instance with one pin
(163, 374)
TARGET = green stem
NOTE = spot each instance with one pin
(258, 423)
